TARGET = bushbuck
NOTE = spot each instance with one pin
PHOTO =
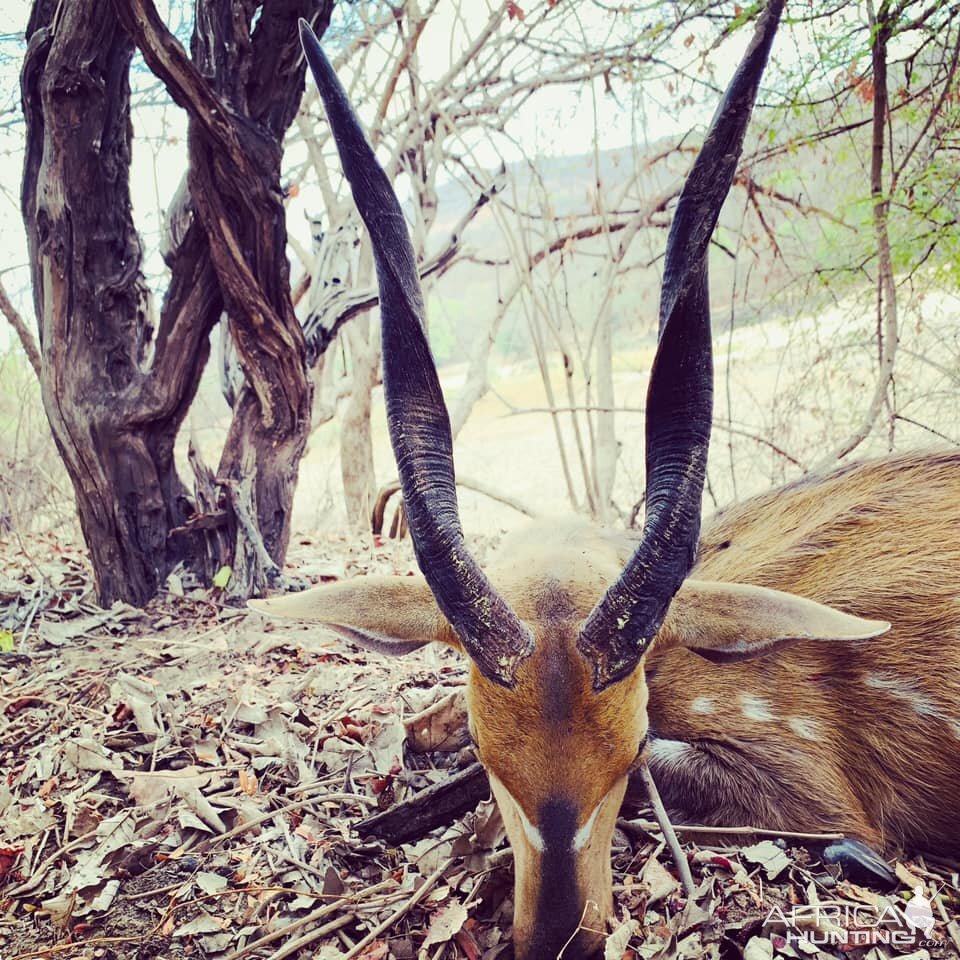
(752, 668)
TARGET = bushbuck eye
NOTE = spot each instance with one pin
(641, 752)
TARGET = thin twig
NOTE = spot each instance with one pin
(27, 339)
(401, 911)
(647, 825)
(317, 914)
(660, 812)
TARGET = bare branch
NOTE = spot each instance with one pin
(343, 305)
(887, 323)
(25, 335)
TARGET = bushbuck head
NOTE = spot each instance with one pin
(556, 635)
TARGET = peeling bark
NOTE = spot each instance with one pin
(115, 390)
(356, 443)
(114, 419)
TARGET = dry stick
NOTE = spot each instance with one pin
(311, 937)
(953, 928)
(312, 917)
(886, 292)
(580, 926)
(400, 912)
(568, 375)
(554, 418)
(286, 808)
(666, 827)
(27, 339)
(39, 872)
(467, 903)
(647, 825)
(478, 486)
(513, 411)
(467, 483)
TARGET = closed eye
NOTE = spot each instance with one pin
(641, 751)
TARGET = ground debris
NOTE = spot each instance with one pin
(186, 781)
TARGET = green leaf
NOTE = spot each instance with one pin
(222, 577)
(6, 641)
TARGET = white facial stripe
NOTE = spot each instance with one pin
(583, 834)
(535, 837)
(533, 834)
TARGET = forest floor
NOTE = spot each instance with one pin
(185, 781)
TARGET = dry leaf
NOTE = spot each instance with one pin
(766, 853)
(660, 883)
(441, 727)
(86, 754)
(205, 923)
(445, 923)
(758, 948)
(910, 880)
(616, 943)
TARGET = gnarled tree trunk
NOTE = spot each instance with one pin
(113, 416)
(115, 390)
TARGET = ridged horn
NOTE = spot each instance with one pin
(491, 633)
(680, 395)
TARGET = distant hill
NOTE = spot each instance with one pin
(463, 302)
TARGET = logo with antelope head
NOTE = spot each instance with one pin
(851, 925)
(557, 629)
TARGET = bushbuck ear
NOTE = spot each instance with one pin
(391, 615)
(726, 622)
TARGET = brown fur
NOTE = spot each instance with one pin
(830, 731)
(879, 539)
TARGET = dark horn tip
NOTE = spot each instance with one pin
(311, 45)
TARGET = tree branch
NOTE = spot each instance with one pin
(887, 324)
(344, 305)
(27, 339)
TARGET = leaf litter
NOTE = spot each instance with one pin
(183, 781)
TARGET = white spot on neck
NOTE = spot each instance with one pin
(755, 708)
(703, 705)
(804, 727)
(668, 752)
(917, 700)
